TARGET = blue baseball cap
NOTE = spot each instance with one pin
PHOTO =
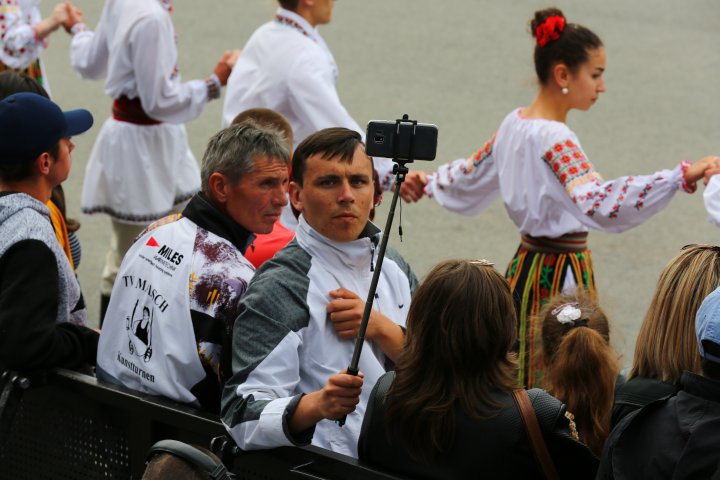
(31, 124)
(707, 325)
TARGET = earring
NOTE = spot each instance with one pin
(564, 90)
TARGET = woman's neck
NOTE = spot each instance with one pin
(548, 105)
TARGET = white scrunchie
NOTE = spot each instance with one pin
(568, 314)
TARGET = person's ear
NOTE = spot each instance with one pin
(218, 185)
(561, 75)
(43, 163)
(294, 190)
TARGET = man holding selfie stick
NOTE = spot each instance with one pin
(302, 311)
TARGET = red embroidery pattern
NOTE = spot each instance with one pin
(568, 163)
(599, 198)
(618, 201)
(8, 9)
(482, 154)
(643, 194)
(464, 166)
(283, 20)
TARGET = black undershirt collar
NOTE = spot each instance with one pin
(204, 214)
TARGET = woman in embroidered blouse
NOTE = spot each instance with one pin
(24, 33)
(550, 189)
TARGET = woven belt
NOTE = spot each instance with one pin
(569, 243)
(131, 111)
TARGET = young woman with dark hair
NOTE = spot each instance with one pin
(551, 190)
(582, 368)
(448, 410)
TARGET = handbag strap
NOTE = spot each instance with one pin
(532, 427)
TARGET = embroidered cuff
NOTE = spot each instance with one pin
(213, 87)
(684, 165)
(77, 28)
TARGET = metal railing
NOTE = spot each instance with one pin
(62, 425)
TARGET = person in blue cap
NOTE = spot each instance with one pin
(42, 311)
(677, 436)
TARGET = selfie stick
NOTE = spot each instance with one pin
(400, 170)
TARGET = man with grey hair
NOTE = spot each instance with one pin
(169, 324)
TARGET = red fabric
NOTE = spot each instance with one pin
(265, 246)
(549, 30)
(131, 111)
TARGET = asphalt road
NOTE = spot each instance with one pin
(463, 65)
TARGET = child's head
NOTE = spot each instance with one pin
(581, 367)
(565, 313)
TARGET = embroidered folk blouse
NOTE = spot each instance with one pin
(547, 183)
(19, 46)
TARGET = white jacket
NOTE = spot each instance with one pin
(284, 346)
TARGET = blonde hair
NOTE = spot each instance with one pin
(582, 367)
(666, 344)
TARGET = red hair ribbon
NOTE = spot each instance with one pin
(549, 30)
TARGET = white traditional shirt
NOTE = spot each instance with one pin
(139, 173)
(711, 197)
(20, 47)
(287, 66)
(547, 183)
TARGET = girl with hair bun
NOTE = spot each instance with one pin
(550, 189)
(582, 368)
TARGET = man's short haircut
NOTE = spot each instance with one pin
(234, 150)
(266, 117)
(329, 143)
(289, 4)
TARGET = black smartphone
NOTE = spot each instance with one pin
(384, 139)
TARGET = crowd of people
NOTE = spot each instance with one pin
(238, 287)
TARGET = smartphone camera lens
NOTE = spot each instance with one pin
(379, 138)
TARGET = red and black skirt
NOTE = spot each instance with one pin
(539, 271)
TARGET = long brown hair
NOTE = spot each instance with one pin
(666, 344)
(582, 367)
(460, 328)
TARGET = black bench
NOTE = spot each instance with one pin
(66, 425)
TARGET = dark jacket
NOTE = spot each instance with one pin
(494, 447)
(638, 392)
(675, 438)
(41, 306)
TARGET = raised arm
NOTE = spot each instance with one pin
(23, 33)
(620, 204)
(466, 186)
(88, 49)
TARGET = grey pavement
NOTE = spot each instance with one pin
(463, 65)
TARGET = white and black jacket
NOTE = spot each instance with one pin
(168, 327)
(284, 345)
